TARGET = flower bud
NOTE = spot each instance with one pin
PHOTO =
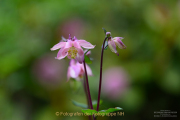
(108, 34)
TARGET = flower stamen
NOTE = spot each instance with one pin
(72, 52)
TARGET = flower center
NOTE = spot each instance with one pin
(72, 52)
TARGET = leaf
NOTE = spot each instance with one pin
(82, 105)
(111, 110)
(79, 104)
(94, 102)
(89, 111)
(87, 60)
(104, 30)
(100, 113)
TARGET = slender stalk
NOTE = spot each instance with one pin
(87, 86)
(100, 78)
(85, 90)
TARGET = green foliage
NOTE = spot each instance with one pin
(87, 59)
(104, 30)
(90, 111)
(79, 104)
(111, 110)
(82, 105)
(94, 102)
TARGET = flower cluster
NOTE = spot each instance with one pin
(72, 49)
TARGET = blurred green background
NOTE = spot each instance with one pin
(146, 75)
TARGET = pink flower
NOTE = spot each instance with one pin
(116, 41)
(115, 83)
(76, 70)
(72, 49)
(48, 71)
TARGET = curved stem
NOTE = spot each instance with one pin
(85, 90)
(87, 85)
(100, 78)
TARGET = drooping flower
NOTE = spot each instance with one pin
(72, 49)
(116, 41)
(76, 70)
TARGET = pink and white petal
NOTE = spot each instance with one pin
(85, 44)
(66, 48)
(112, 46)
(119, 43)
(89, 71)
(79, 58)
(72, 62)
(60, 55)
(77, 70)
(88, 53)
(76, 44)
(68, 44)
(72, 72)
(81, 66)
(59, 45)
(118, 38)
(78, 47)
(80, 51)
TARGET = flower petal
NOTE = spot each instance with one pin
(88, 53)
(66, 48)
(89, 71)
(60, 54)
(80, 54)
(72, 62)
(76, 44)
(112, 46)
(86, 44)
(59, 45)
(80, 51)
(78, 47)
(80, 58)
(119, 43)
(73, 71)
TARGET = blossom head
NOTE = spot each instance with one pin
(76, 70)
(72, 49)
(116, 41)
